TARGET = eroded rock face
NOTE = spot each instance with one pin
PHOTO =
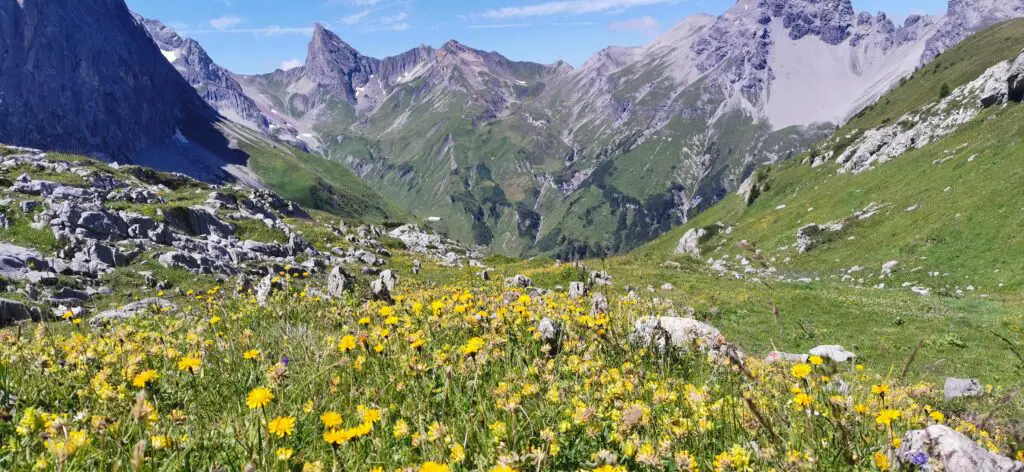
(939, 448)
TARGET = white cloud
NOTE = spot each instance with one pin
(501, 25)
(390, 20)
(225, 22)
(366, 2)
(290, 64)
(570, 7)
(644, 24)
(396, 22)
(356, 17)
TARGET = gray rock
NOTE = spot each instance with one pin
(180, 260)
(416, 266)
(958, 388)
(484, 275)
(519, 281)
(338, 282)
(810, 236)
(266, 249)
(101, 225)
(366, 257)
(383, 288)
(198, 221)
(135, 195)
(105, 255)
(940, 448)
(69, 296)
(222, 200)
(13, 312)
(599, 304)
(4, 222)
(550, 334)
(681, 333)
(778, 356)
(266, 288)
(752, 187)
(577, 290)
(1015, 80)
(132, 310)
(600, 279)
(834, 352)
(16, 261)
(888, 267)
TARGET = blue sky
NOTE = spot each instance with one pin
(258, 36)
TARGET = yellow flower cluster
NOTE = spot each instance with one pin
(446, 378)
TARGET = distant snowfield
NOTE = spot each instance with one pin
(816, 82)
(170, 55)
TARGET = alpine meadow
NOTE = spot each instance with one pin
(781, 235)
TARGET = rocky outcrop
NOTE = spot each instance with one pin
(919, 128)
(689, 244)
(940, 448)
(13, 312)
(383, 288)
(753, 187)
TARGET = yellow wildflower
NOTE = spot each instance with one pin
(259, 398)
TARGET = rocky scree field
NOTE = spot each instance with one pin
(153, 322)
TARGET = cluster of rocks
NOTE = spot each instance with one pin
(447, 252)
(96, 239)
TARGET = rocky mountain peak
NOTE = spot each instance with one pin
(964, 17)
(335, 65)
(216, 84)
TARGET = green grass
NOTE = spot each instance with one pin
(318, 183)
(253, 230)
(21, 233)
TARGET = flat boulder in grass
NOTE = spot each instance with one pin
(834, 352)
(131, 310)
(958, 388)
(940, 448)
(779, 356)
(681, 333)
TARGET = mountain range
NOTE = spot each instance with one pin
(519, 157)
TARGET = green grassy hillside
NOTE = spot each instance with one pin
(965, 210)
(312, 181)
